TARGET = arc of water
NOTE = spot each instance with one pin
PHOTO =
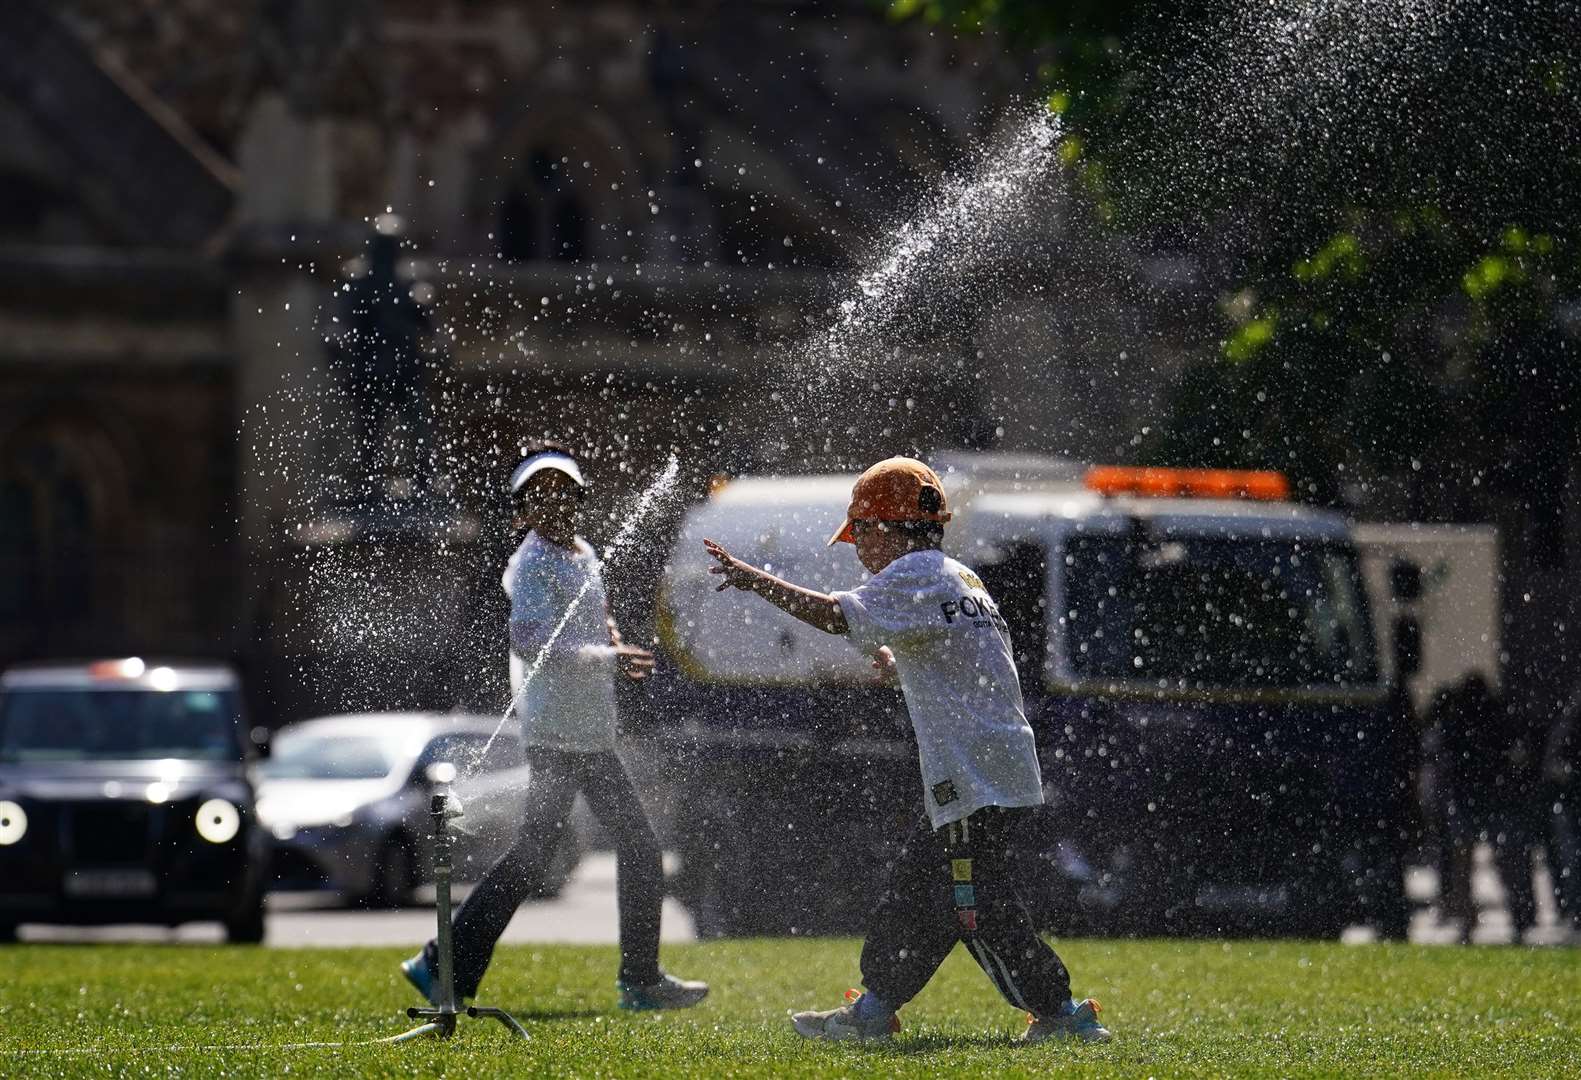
(995, 189)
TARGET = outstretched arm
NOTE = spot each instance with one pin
(816, 609)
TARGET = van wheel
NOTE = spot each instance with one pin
(728, 897)
(394, 873)
(247, 927)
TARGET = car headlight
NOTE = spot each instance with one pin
(13, 822)
(218, 821)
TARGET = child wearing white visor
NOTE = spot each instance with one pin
(565, 653)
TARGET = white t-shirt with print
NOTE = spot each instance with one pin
(958, 674)
(569, 704)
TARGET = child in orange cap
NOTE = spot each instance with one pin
(931, 619)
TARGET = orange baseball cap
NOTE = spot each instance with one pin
(896, 489)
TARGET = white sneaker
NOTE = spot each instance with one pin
(843, 1025)
(1080, 1023)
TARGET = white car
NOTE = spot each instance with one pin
(346, 800)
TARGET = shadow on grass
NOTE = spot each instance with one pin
(904, 1046)
(549, 1016)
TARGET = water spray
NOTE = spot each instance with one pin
(962, 224)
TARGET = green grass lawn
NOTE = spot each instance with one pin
(1176, 1008)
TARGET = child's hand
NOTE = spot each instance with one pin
(741, 575)
(635, 662)
(884, 664)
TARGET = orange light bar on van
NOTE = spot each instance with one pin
(1189, 483)
(130, 668)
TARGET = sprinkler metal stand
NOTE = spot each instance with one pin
(441, 1017)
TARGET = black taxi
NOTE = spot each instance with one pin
(124, 797)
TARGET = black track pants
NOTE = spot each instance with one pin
(957, 884)
(555, 779)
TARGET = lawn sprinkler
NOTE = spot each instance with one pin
(441, 1017)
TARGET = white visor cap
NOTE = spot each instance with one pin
(547, 460)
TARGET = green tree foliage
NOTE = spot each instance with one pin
(1398, 212)
(1080, 46)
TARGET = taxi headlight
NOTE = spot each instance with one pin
(13, 822)
(218, 821)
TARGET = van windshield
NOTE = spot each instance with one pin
(85, 725)
(1195, 613)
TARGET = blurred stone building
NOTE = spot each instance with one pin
(624, 210)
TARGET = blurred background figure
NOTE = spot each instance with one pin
(1401, 832)
(1561, 797)
(1487, 791)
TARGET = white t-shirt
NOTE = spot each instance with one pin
(569, 702)
(952, 653)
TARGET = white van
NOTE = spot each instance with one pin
(1199, 663)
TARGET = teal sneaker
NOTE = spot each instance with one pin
(421, 976)
(668, 993)
(1080, 1023)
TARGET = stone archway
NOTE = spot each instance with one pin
(542, 214)
(561, 187)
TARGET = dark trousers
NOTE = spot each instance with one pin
(958, 884)
(555, 778)
(1563, 852)
(1511, 836)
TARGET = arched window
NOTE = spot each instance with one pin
(18, 551)
(49, 535)
(34, 211)
(542, 215)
